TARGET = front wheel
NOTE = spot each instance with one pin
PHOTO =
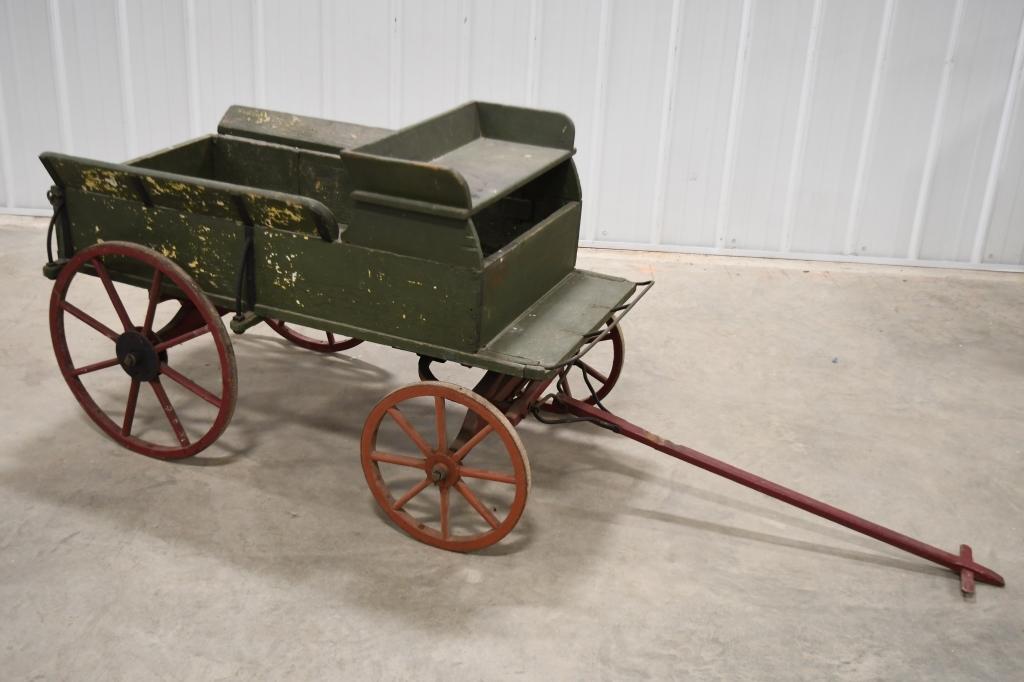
(460, 493)
(133, 357)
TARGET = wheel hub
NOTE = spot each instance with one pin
(137, 356)
(442, 470)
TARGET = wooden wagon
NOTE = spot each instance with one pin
(454, 239)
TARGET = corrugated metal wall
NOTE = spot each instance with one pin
(866, 129)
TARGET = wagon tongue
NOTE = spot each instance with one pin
(962, 563)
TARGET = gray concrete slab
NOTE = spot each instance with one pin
(896, 393)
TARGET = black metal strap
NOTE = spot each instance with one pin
(245, 280)
(246, 277)
(56, 197)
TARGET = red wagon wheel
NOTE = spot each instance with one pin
(330, 344)
(601, 371)
(140, 352)
(481, 477)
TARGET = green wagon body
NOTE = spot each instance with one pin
(455, 238)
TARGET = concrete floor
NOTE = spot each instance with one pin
(896, 393)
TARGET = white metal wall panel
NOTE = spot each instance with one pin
(222, 39)
(154, 33)
(291, 33)
(968, 125)
(628, 143)
(698, 121)
(357, 61)
(886, 130)
(1004, 242)
(566, 63)
(759, 158)
(848, 39)
(500, 50)
(30, 100)
(911, 77)
(428, 75)
(94, 101)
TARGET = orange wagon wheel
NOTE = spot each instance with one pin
(138, 356)
(329, 344)
(460, 494)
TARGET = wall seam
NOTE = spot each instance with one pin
(259, 54)
(735, 109)
(868, 131)
(665, 130)
(192, 68)
(465, 49)
(125, 70)
(532, 66)
(395, 64)
(796, 165)
(995, 168)
(5, 151)
(935, 135)
(60, 77)
(597, 134)
(326, 60)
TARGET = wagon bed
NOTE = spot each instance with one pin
(482, 273)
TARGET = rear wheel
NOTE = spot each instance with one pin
(135, 359)
(460, 493)
(322, 342)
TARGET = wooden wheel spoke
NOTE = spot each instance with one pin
(411, 493)
(154, 298)
(103, 364)
(183, 380)
(592, 372)
(178, 340)
(172, 416)
(115, 299)
(472, 442)
(90, 320)
(476, 504)
(486, 475)
(439, 421)
(129, 409)
(410, 431)
(400, 460)
(445, 531)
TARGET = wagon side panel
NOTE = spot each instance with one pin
(304, 280)
(208, 248)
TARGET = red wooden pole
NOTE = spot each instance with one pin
(961, 563)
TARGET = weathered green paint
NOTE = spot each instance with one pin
(305, 132)
(389, 249)
(443, 240)
(466, 158)
(516, 276)
(396, 295)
